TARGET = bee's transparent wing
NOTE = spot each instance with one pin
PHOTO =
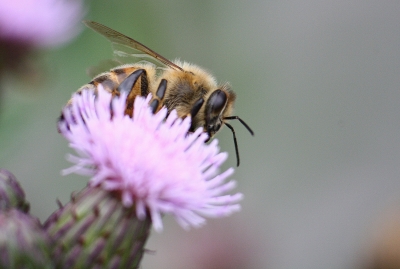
(124, 44)
(103, 66)
(127, 55)
(124, 55)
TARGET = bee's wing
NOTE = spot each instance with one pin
(127, 55)
(120, 39)
(103, 66)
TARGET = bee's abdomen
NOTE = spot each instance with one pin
(131, 80)
(106, 80)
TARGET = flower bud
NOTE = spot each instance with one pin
(11, 193)
(23, 242)
(95, 230)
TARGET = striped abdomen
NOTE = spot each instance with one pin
(132, 80)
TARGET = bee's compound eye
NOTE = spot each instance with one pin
(217, 101)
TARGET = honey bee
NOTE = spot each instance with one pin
(182, 86)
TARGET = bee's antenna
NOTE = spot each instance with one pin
(241, 121)
(234, 134)
(235, 141)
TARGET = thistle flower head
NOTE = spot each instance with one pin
(150, 158)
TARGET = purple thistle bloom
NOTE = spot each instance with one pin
(150, 159)
(41, 23)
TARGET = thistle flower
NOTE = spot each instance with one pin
(151, 160)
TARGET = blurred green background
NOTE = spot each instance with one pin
(318, 81)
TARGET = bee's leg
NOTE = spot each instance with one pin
(135, 84)
(154, 105)
(127, 85)
(193, 112)
(144, 84)
(161, 89)
(196, 107)
(160, 93)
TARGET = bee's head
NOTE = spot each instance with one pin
(218, 110)
(214, 109)
(210, 110)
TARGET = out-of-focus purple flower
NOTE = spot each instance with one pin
(40, 23)
(150, 159)
(29, 25)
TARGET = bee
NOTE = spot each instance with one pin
(185, 87)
